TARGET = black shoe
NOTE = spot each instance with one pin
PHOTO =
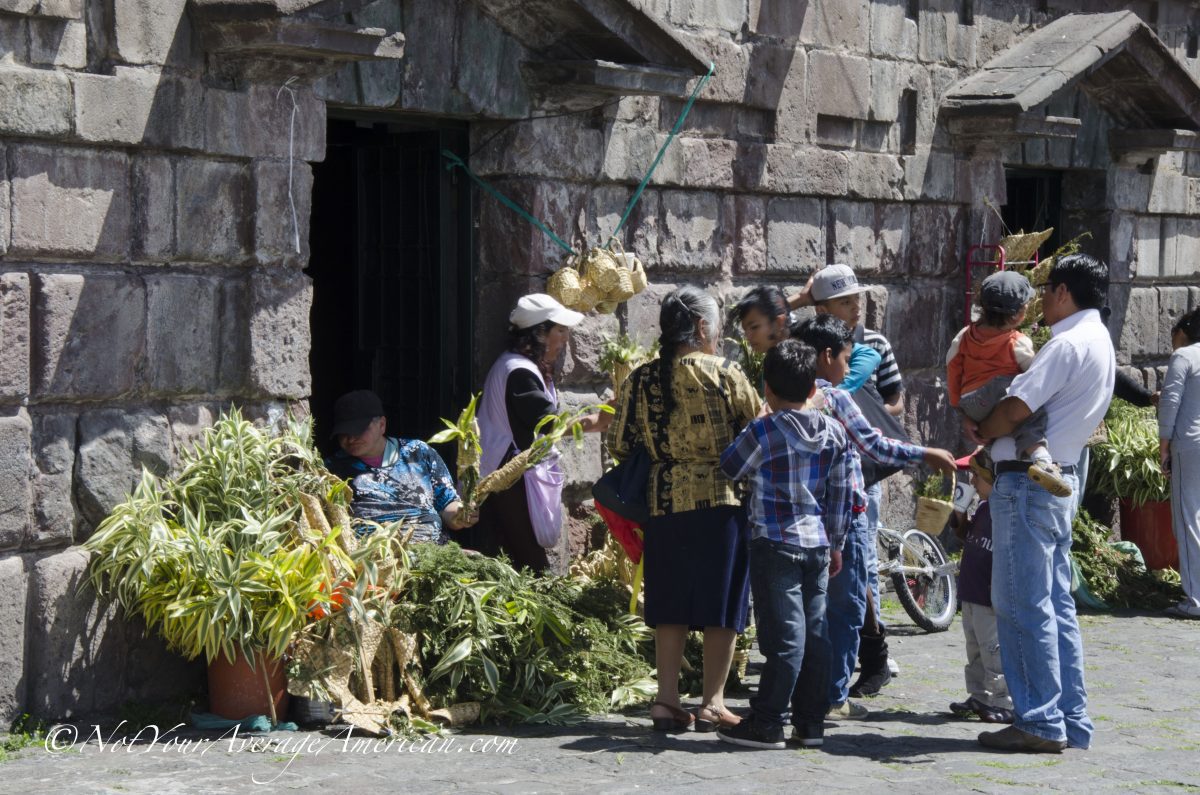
(1013, 739)
(808, 735)
(973, 706)
(751, 735)
(873, 665)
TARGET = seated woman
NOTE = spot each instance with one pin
(393, 479)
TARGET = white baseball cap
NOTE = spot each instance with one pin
(834, 281)
(537, 308)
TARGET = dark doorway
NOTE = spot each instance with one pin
(1034, 203)
(392, 273)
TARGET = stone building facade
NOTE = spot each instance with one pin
(206, 202)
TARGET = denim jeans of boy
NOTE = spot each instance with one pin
(874, 501)
(846, 609)
(789, 586)
(1040, 643)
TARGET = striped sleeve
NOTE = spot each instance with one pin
(887, 375)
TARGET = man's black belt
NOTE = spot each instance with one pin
(1023, 466)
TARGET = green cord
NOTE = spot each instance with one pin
(712, 67)
(457, 162)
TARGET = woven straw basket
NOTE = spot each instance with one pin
(932, 514)
(1021, 247)
(564, 285)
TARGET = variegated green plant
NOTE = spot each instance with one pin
(1126, 464)
(223, 557)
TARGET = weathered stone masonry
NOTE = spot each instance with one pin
(148, 275)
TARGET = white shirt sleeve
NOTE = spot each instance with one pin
(1024, 352)
(954, 345)
(1051, 370)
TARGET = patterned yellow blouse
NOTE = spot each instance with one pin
(713, 402)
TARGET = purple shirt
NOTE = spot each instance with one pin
(975, 568)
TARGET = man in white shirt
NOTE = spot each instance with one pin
(1072, 378)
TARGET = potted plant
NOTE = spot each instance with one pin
(228, 558)
(1126, 465)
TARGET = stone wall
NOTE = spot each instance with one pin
(147, 280)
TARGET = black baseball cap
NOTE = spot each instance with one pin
(1005, 291)
(353, 412)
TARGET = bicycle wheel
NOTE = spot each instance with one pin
(924, 581)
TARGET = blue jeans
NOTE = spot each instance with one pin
(874, 498)
(1040, 643)
(847, 608)
(789, 584)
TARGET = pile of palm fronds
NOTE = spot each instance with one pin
(1116, 577)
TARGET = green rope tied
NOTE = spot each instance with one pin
(712, 67)
(457, 162)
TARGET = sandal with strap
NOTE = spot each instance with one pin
(679, 720)
(709, 719)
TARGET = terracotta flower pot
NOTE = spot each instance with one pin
(237, 691)
(1149, 526)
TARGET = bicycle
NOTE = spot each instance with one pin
(922, 577)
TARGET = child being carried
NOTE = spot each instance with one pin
(982, 361)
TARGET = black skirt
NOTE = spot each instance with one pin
(697, 568)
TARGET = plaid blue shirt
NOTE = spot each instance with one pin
(800, 469)
(864, 438)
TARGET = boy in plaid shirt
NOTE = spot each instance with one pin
(800, 506)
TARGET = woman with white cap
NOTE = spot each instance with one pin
(526, 519)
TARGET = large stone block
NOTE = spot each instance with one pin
(605, 205)
(282, 209)
(816, 172)
(838, 25)
(795, 230)
(693, 236)
(153, 183)
(852, 232)
(15, 491)
(630, 151)
(263, 122)
(893, 34)
(70, 203)
(559, 148)
(930, 175)
(891, 237)
(708, 162)
(927, 414)
(90, 334)
(643, 309)
(712, 14)
(280, 337)
(54, 514)
(56, 42)
(151, 33)
(114, 446)
(14, 331)
(794, 116)
(12, 638)
(1139, 323)
(214, 218)
(83, 657)
(188, 422)
(1148, 246)
(36, 102)
(1128, 189)
(182, 333)
(922, 318)
(936, 237)
(134, 106)
(750, 254)
(582, 364)
(841, 84)
(875, 176)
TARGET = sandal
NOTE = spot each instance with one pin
(709, 719)
(679, 720)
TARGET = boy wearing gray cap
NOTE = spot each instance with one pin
(981, 363)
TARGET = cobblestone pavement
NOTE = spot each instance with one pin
(1143, 674)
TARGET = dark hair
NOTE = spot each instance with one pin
(531, 343)
(824, 331)
(995, 318)
(790, 369)
(1086, 279)
(678, 321)
(767, 299)
(1189, 324)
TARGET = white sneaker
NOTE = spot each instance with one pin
(1183, 610)
(847, 710)
(893, 668)
(1049, 477)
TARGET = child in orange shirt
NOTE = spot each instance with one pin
(981, 363)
